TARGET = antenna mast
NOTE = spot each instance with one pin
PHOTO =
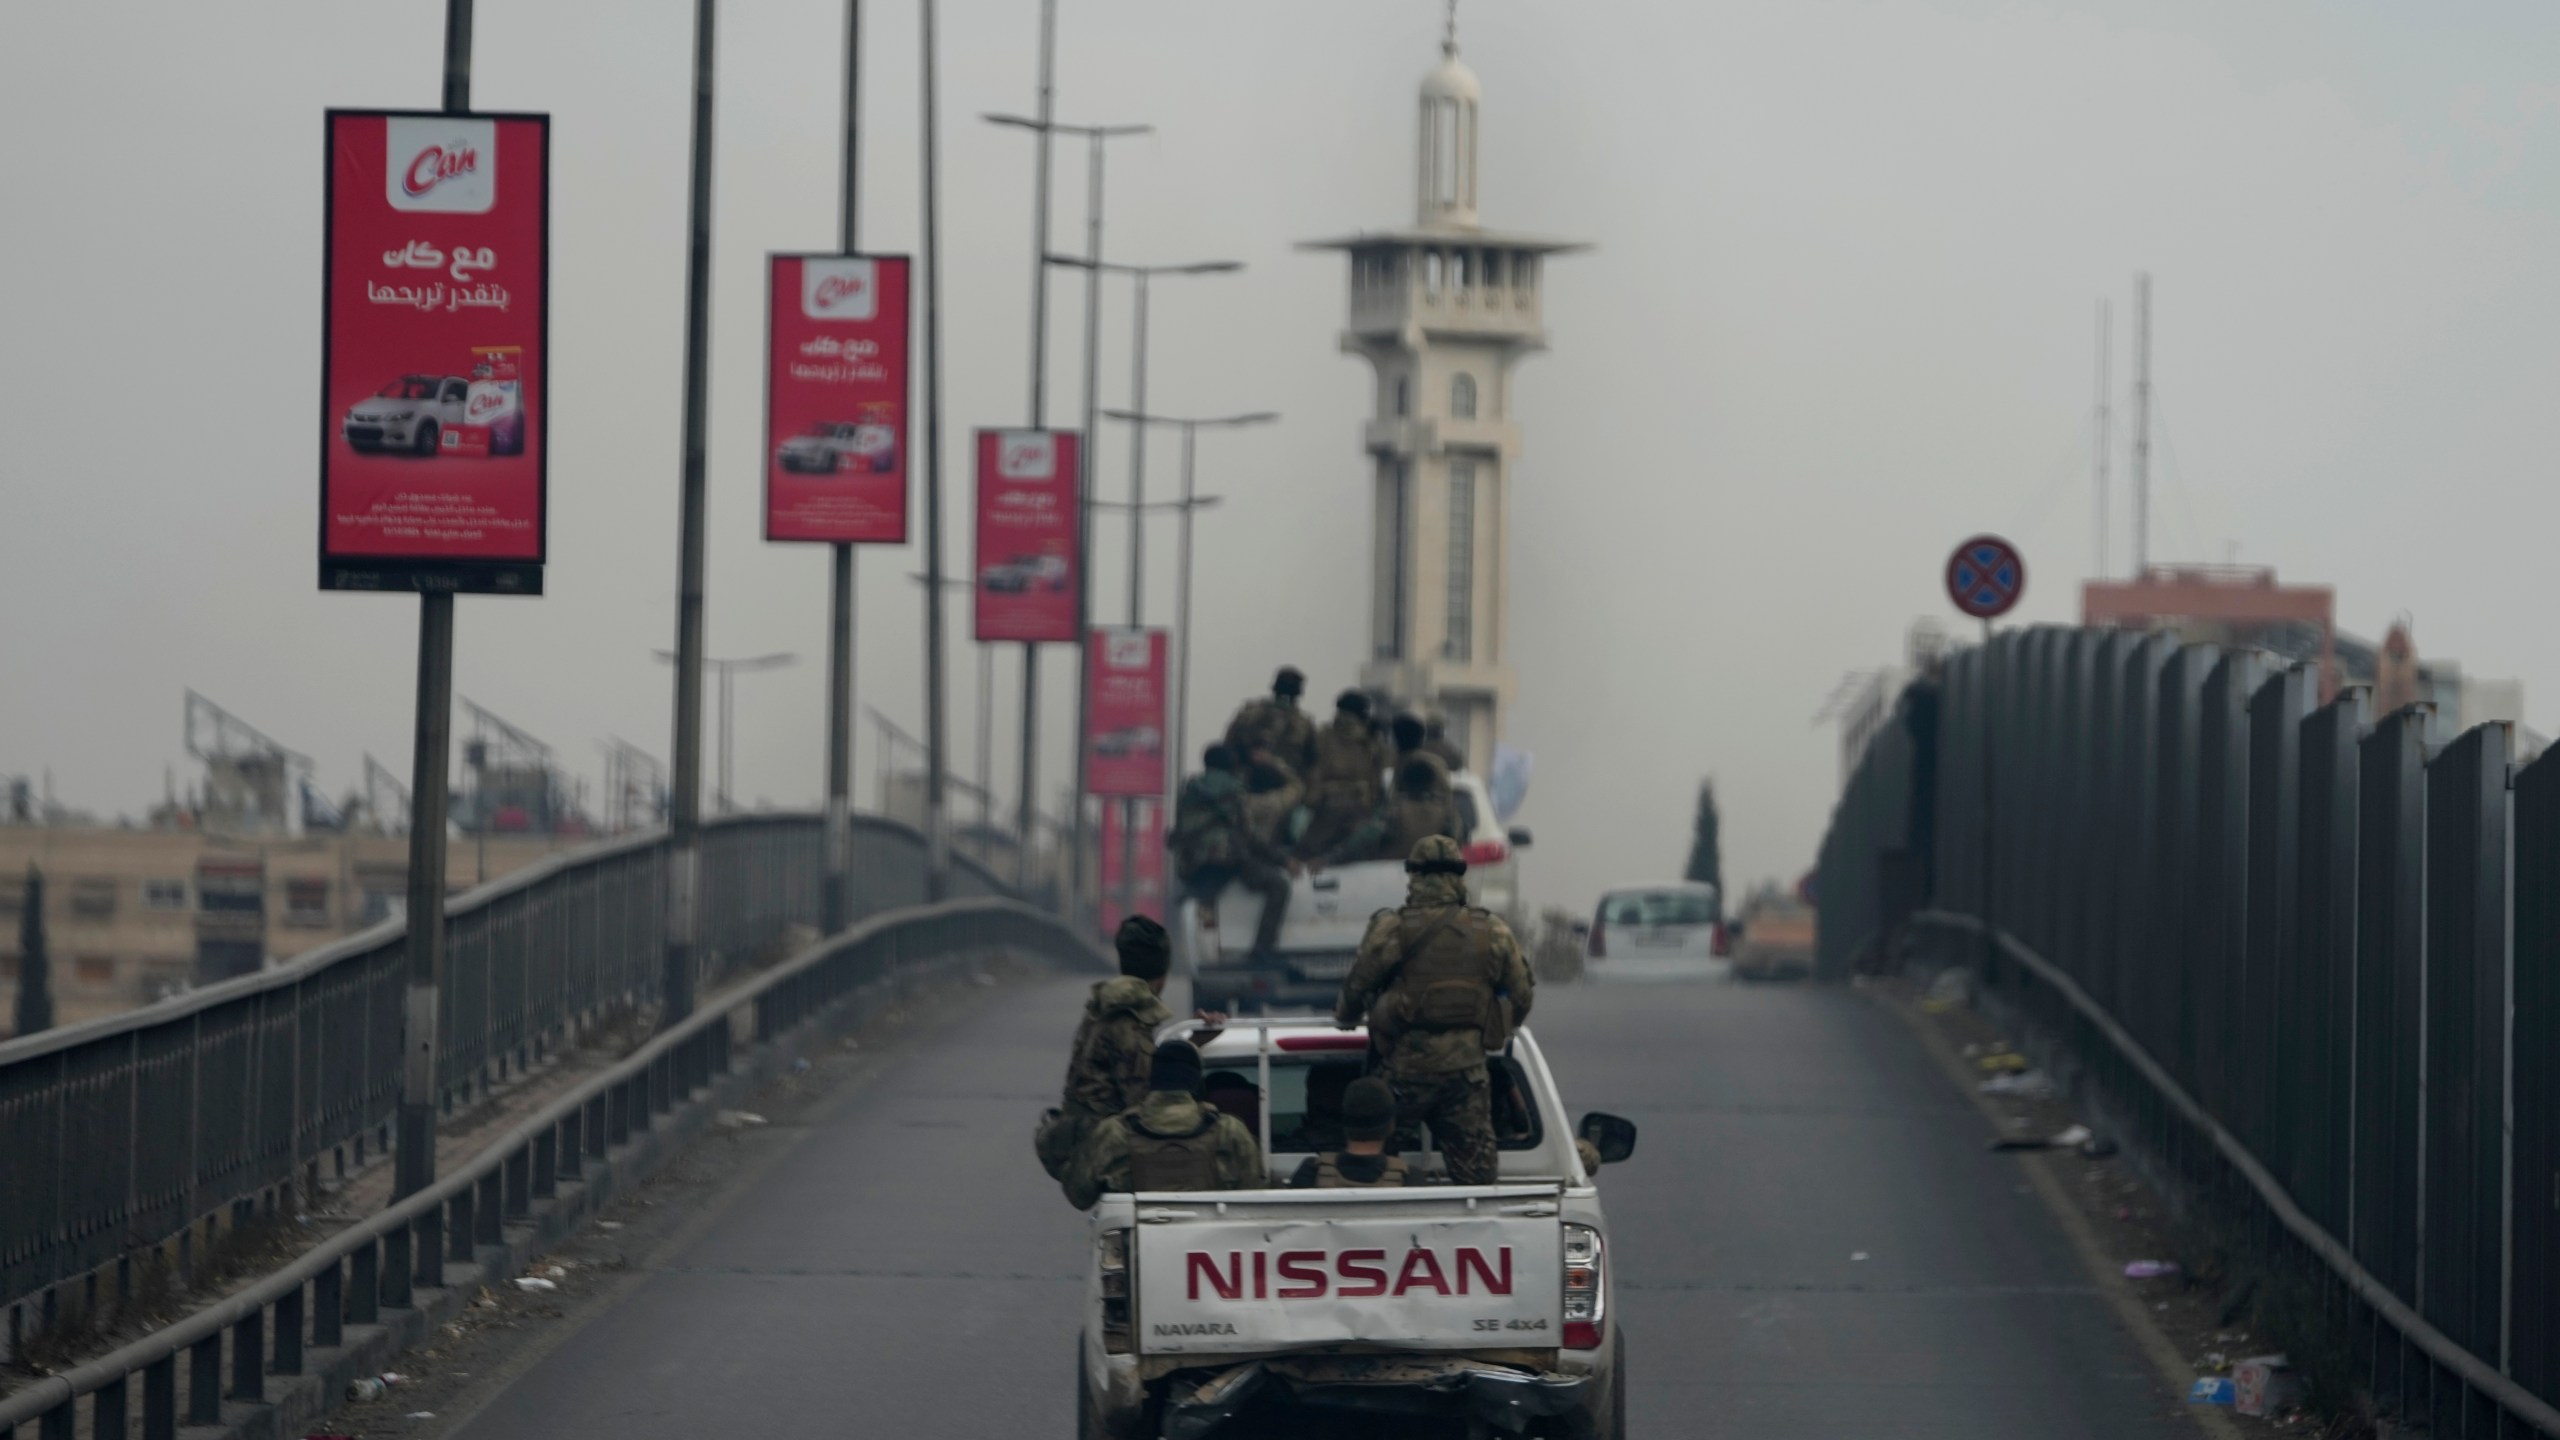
(2141, 423)
(2105, 424)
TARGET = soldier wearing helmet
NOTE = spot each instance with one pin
(1441, 984)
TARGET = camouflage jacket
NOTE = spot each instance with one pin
(1107, 1071)
(1369, 990)
(1283, 730)
(1350, 767)
(1211, 826)
(1277, 815)
(1102, 1168)
(1403, 818)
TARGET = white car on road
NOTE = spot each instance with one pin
(1655, 932)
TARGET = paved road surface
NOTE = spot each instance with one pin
(904, 1270)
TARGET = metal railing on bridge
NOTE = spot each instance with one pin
(2315, 963)
(295, 1321)
(120, 1134)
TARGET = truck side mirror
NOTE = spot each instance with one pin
(1519, 837)
(1613, 1137)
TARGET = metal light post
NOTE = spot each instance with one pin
(936, 816)
(986, 713)
(837, 904)
(729, 671)
(1095, 136)
(684, 814)
(414, 1148)
(1191, 501)
(1138, 501)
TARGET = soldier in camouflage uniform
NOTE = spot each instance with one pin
(1348, 780)
(1107, 1068)
(1274, 803)
(1362, 1161)
(1171, 1140)
(1436, 741)
(1440, 983)
(1274, 725)
(1421, 805)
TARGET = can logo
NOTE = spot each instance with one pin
(447, 166)
(839, 289)
(1026, 455)
(1126, 650)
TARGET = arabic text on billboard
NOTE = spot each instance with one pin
(1026, 563)
(836, 399)
(434, 419)
(1125, 695)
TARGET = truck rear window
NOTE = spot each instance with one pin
(1306, 1102)
(1659, 907)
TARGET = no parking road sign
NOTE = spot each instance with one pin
(1985, 577)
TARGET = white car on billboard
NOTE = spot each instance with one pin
(411, 413)
(831, 446)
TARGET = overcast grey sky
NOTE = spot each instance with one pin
(1840, 314)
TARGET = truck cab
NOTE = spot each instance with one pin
(1487, 1305)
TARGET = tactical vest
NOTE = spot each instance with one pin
(1329, 1174)
(1448, 982)
(1174, 1162)
(1416, 817)
(1346, 765)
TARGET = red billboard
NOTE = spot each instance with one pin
(433, 403)
(1148, 898)
(835, 408)
(1124, 712)
(1026, 564)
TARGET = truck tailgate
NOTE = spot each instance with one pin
(1435, 1269)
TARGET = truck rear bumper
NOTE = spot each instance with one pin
(1512, 1402)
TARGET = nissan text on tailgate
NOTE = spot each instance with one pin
(1478, 1310)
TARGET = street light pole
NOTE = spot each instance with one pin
(838, 899)
(729, 669)
(431, 758)
(684, 818)
(937, 818)
(1191, 501)
(1025, 826)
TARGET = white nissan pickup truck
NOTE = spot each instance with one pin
(1485, 1309)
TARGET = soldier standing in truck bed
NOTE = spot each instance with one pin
(1440, 984)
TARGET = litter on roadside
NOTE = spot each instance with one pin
(534, 1284)
(2025, 1084)
(2059, 1140)
(2264, 1384)
(367, 1387)
(2212, 1390)
(422, 1415)
(2150, 1269)
(741, 1119)
(1951, 989)
(2002, 1062)
(608, 1224)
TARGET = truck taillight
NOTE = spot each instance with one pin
(1111, 1256)
(1599, 940)
(1487, 852)
(1586, 1313)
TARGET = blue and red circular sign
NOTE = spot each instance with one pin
(1985, 577)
